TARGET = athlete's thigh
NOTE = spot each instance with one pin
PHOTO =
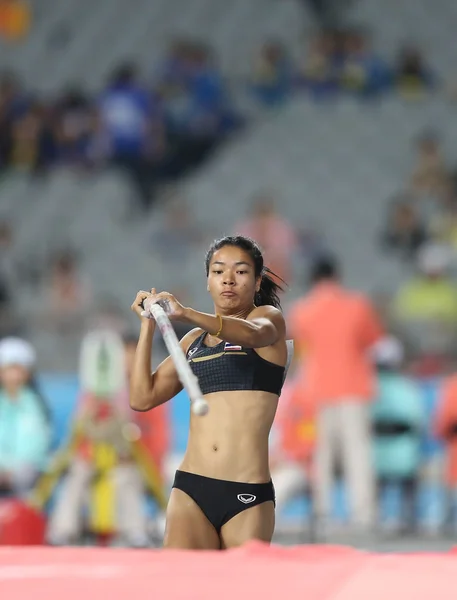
(256, 523)
(187, 527)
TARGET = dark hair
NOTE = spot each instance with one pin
(324, 269)
(124, 74)
(268, 295)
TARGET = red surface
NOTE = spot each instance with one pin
(20, 524)
(251, 573)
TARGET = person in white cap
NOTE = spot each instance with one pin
(398, 423)
(24, 428)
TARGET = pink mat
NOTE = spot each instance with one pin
(254, 572)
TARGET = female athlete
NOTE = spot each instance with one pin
(222, 495)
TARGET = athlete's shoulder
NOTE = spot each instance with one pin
(273, 314)
(190, 337)
(266, 311)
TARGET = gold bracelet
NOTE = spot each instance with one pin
(220, 326)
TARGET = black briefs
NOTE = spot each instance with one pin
(221, 500)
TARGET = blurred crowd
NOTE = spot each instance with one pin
(159, 127)
(420, 232)
(337, 63)
(357, 410)
(354, 412)
(70, 472)
(155, 129)
(63, 296)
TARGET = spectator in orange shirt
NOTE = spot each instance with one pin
(334, 328)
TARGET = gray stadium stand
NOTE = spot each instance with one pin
(334, 166)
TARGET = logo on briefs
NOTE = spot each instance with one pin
(246, 498)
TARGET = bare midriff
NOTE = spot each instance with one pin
(231, 441)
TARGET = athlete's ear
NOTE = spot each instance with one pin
(258, 283)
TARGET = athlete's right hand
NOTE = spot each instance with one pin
(138, 306)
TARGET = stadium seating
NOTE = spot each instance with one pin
(71, 34)
(336, 167)
(336, 171)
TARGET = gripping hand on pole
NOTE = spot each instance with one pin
(160, 310)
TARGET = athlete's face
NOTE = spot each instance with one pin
(231, 279)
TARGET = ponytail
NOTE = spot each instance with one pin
(268, 295)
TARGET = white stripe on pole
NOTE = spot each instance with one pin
(189, 381)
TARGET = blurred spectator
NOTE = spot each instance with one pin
(425, 309)
(8, 279)
(172, 78)
(13, 98)
(101, 422)
(7, 267)
(179, 234)
(333, 330)
(74, 121)
(444, 225)
(154, 424)
(131, 123)
(312, 245)
(398, 423)
(13, 103)
(6, 322)
(204, 114)
(293, 440)
(430, 172)
(362, 71)
(431, 294)
(68, 294)
(317, 72)
(328, 13)
(446, 430)
(33, 144)
(15, 18)
(276, 236)
(271, 77)
(107, 314)
(24, 427)
(413, 77)
(404, 233)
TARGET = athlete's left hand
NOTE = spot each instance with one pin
(173, 309)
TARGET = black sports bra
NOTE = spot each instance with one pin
(226, 368)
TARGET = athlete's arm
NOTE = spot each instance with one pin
(150, 390)
(264, 326)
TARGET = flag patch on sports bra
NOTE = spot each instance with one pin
(230, 347)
